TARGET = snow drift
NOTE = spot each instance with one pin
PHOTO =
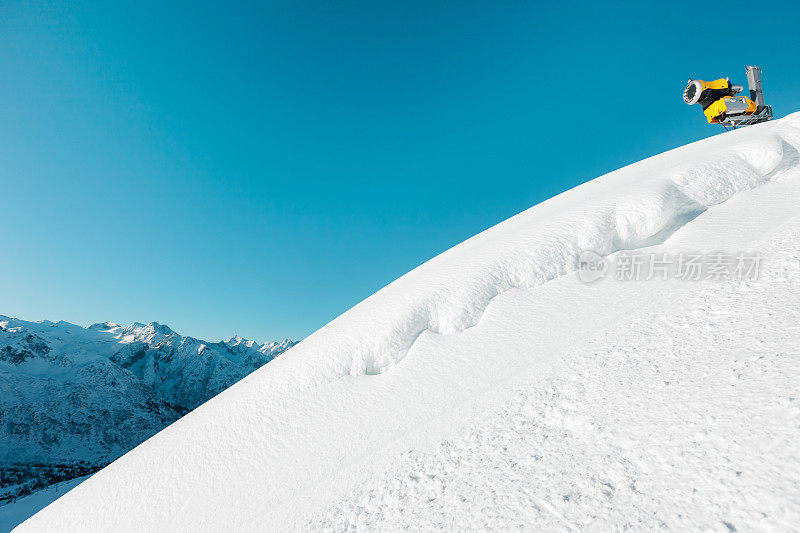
(436, 350)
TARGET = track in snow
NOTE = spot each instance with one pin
(685, 416)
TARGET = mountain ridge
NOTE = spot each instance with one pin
(73, 398)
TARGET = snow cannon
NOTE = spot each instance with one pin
(720, 102)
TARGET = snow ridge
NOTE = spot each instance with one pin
(543, 242)
(581, 459)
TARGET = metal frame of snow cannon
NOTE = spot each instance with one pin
(720, 102)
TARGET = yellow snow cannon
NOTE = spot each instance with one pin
(720, 102)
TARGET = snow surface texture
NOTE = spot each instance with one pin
(487, 389)
(641, 430)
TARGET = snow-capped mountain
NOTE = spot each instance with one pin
(73, 399)
(494, 388)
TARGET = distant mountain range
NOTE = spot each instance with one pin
(73, 399)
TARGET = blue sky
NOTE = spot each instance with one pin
(259, 168)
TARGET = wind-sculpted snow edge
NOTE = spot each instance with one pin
(450, 293)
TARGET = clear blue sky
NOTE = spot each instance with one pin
(258, 168)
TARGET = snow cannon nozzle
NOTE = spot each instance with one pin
(692, 92)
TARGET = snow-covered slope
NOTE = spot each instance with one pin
(490, 387)
(73, 399)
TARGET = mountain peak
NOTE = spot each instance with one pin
(103, 325)
(161, 328)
